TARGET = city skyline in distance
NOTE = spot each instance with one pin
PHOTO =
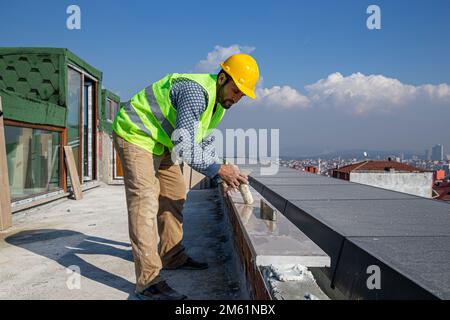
(357, 154)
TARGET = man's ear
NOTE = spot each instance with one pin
(222, 78)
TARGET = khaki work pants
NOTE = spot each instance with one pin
(155, 192)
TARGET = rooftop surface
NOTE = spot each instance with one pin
(358, 226)
(379, 165)
(351, 226)
(93, 235)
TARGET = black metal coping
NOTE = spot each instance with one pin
(406, 236)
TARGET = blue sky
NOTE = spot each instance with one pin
(296, 43)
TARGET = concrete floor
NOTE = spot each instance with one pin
(37, 252)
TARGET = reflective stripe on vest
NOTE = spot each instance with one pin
(131, 112)
(156, 110)
(148, 120)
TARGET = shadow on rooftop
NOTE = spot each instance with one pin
(63, 246)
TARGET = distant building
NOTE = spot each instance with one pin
(437, 153)
(428, 154)
(311, 169)
(446, 168)
(439, 175)
(390, 175)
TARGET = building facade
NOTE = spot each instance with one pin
(110, 168)
(388, 174)
(437, 153)
(51, 98)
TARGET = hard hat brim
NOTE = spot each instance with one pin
(248, 92)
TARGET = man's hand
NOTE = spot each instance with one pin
(232, 176)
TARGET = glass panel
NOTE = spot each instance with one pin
(73, 118)
(115, 109)
(33, 161)
(108, 109)
(88, 131)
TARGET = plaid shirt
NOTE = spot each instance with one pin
(190, 100)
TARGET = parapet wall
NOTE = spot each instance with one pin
(383, 244)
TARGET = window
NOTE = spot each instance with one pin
(81, 122)
(88, 129)
(112, 108)
(33, 157)
(108, 109)
(73, 118)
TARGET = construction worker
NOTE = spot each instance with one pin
(145, 137)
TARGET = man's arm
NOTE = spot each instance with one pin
(191, 100)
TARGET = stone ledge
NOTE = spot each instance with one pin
(263, 244)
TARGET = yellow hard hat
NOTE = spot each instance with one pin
(244, 71)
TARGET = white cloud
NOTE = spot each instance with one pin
(219, 54)
(356, 94)
(360, 94)
(284, 97)
(438, 93)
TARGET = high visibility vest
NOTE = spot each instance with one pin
(148, 120)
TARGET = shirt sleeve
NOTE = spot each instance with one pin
(190, 100)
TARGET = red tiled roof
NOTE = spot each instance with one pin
(378, 165)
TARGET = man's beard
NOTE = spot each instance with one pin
(225, 106)
(222, 102)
